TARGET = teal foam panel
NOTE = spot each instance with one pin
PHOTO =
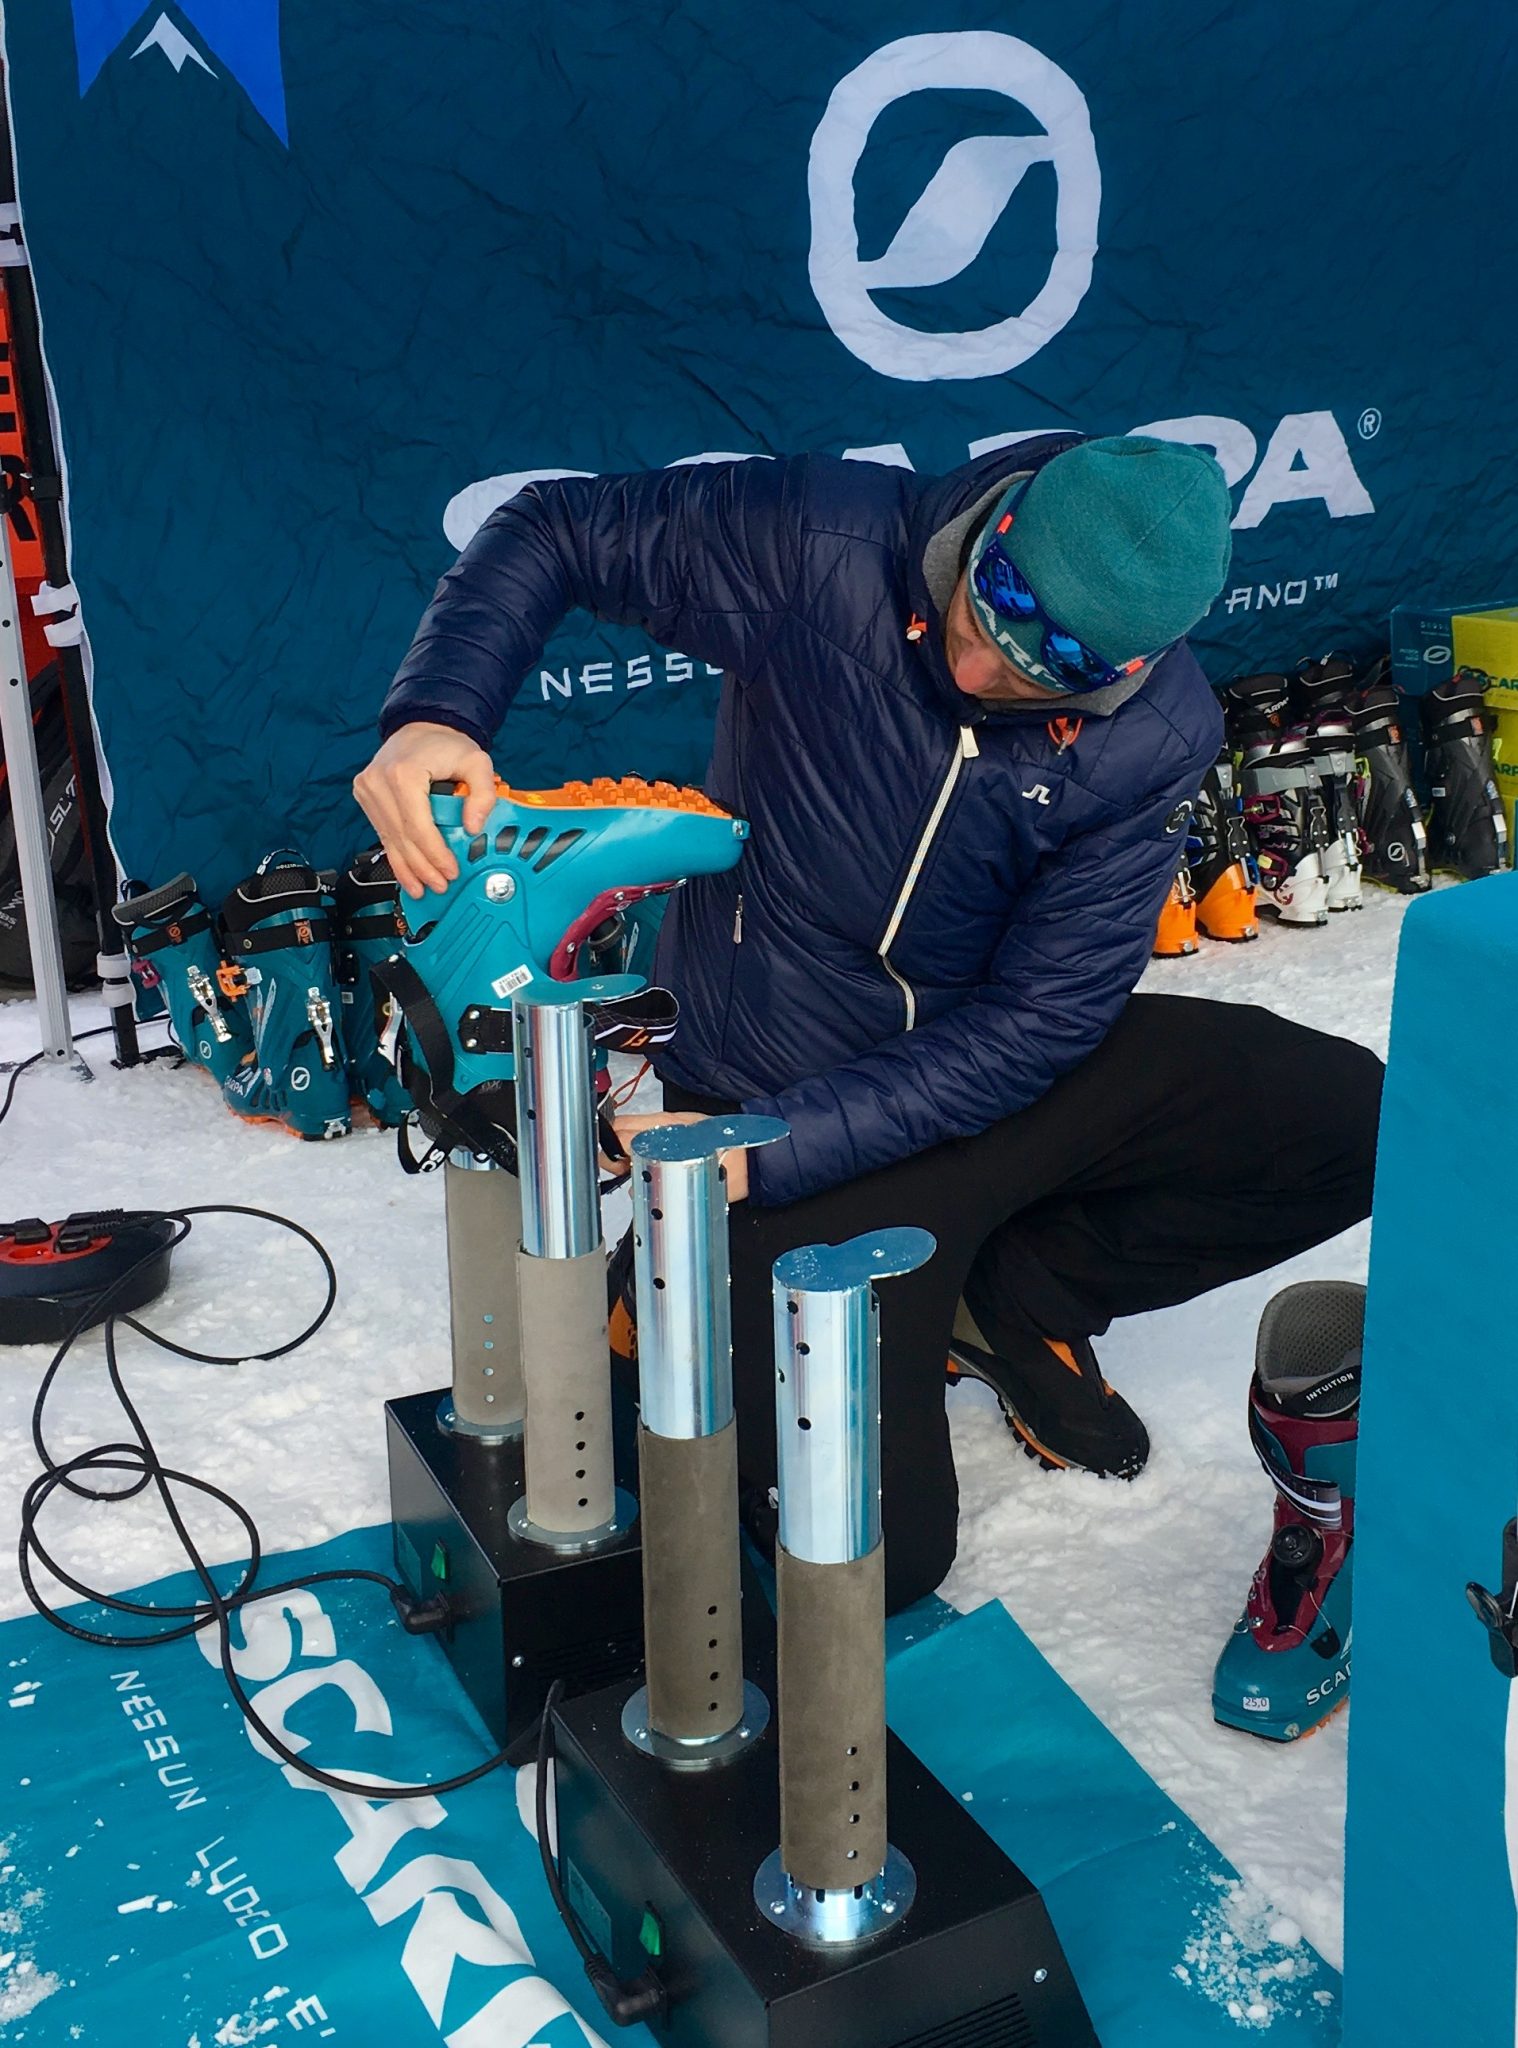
(1430, 1930)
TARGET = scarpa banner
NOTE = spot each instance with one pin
(165, 1880)
(323, 284)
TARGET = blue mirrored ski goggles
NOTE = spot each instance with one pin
(1070, 663)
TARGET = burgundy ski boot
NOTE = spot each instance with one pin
(1285, 1668)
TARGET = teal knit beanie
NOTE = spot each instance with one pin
(1124, 541)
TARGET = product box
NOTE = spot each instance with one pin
(1424, 644)
(1488, 642)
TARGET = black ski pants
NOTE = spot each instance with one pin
(1200, 1142)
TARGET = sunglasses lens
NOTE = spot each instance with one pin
(1002, 587)
(1068, 657)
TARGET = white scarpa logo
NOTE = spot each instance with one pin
(947, 228)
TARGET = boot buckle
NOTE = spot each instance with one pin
(205, 994)
(319, 1010)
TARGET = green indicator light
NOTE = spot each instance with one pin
(651, 1934)
(439, 1561)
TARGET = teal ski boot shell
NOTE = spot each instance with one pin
(277, 933)
(176, 954)
(1285, 1669)
(550, 869)
(370, 928)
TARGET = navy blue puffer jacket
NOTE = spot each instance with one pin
(944, 905)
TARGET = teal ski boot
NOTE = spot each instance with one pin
(277, 936)
(1285, 1669)
(370, 929)
(175, 955)
(547, 875)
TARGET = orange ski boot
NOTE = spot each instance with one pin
(1220, 872)
(1227, 910)
(1175, 935)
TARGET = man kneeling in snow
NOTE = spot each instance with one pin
(962, 719)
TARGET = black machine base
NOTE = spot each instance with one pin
(524, 1615)
(660, 1867)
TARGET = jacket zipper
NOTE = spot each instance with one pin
(966, 748)
(738, 921)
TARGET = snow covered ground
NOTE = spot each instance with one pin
(1128, 1590)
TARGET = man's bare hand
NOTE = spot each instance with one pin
(394, 790)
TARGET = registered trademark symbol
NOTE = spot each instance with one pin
(1370, 423)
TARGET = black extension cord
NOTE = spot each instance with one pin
(140, 1458)
(95, 1031)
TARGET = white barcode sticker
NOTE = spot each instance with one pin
(510, 983)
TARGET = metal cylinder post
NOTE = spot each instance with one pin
(835, 1878)
(556, 1126)
(695, 1708)
(572, 1502)
(483, 1205)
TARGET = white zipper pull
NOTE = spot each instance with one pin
(738, 921)
(969, 745)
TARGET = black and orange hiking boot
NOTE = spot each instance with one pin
(622, 1310)
(1055, 1400)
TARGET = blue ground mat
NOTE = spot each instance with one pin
(165, 1885)
(1169, 1948)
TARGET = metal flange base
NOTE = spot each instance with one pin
(700, 1752)
(569, 1542)
(449, 1421)
(836, 1919)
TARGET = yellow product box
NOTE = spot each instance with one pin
(1488, 641)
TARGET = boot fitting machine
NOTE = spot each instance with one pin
(672, 1794)
(670, 1798)
(504, 1493)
